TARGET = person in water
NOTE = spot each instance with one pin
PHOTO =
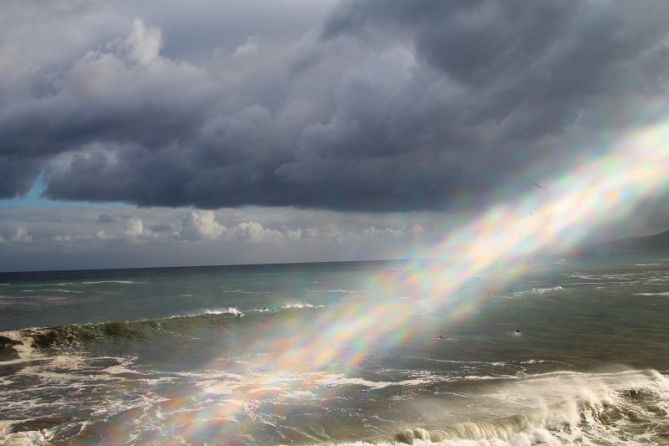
(517, 332)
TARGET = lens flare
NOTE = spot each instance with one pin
(551, 216)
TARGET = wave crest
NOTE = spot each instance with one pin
(592, 409)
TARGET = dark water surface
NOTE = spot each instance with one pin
(574, 352)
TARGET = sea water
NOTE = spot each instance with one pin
(573, 351)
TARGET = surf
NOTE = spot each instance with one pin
(15, 344)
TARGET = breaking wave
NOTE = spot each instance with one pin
(15, 344)
(299, 306)
(567, 408)
(545, 290)
(99, 282)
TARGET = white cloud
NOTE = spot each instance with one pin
(200, 225)
(144, 42)
(185, 236)
(134, 228)
(373, 231)
(292, 234)
(255, 232)
(21, 235)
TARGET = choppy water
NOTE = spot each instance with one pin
(192, 356)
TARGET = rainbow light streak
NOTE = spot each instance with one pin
(562, 214)
(574, 204)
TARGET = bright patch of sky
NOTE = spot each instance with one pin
(35, 198)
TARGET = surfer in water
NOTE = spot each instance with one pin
(516, 332)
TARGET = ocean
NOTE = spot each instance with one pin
(571, 351)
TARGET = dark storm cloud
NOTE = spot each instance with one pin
(385, 105)
(16, 175)
(537, 64)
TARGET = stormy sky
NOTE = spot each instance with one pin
(162, 132)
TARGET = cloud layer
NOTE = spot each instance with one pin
(104, 237)
(369, 105)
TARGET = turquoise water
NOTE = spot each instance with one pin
(575, 351)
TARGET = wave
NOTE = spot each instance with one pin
(97, 282)
(28, 341)
(62, 290)
(22, 343)
(120, 282)
(299, 306)
(609, 277)
(215, 312)
(545, 290)
(560, 408)
(552, 289)
(342, 380)
(662, 293)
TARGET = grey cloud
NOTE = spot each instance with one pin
(41, 238)
(17, 175)
(197, 28)
(162, 227)
(383, 106)
(106, 218)
(537, 64)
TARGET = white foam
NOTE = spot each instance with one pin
(215, 312)
(560, 408)
(121, 282)
(122, 366)
(537, 361)
(488, 377)
(296, 305)
(24, 347)
(26, 438)
(662, 293)
(56, 372)
(607, 277)
(342, 380)
(261, 310)
(299, 305)
(545, 290)
(62, 290)
(337, 291)
(230, 310)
